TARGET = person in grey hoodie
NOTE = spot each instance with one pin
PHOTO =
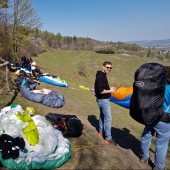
(102, 93)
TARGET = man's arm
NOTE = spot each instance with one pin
(112, 89)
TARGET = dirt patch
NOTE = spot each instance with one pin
(90, 152)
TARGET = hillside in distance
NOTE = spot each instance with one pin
(157, 44)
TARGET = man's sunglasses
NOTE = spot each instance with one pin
(109, 68)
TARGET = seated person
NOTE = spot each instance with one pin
(25, 62)
(35, 70)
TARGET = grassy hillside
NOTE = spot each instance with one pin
(89, 151)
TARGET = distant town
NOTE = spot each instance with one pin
(157, 44)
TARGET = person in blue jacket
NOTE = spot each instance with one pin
(167, 99)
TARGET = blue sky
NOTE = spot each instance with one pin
(106, 20)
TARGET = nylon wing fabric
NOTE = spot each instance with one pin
(122, 96)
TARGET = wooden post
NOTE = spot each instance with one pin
(7, 72)
(7, 78)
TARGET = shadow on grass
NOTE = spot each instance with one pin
(122, 137)
(13, 98)
(126, 140)
(94, 121)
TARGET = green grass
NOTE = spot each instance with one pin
(81, 102)
(89, 152)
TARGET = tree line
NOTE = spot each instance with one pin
(20, 34)
(17, 24)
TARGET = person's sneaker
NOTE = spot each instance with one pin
(144, 160)
(110, 142)
(100, 134)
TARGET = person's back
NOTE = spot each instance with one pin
(146, 107)
(24, 61)
(146, 104)
(28, 64)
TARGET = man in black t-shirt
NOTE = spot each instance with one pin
(102, 93)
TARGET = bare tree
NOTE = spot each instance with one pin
(4, 32)
(23, 21)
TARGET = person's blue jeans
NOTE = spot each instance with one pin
(162, 130)
(105, 119)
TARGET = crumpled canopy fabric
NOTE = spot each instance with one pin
(30, 131)
(48, 153)
(122, 96)
(54, 81)
(52, 99)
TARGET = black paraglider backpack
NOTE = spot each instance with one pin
(146, 104)
(69, 125)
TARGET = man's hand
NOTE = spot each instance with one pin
(113, 89)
